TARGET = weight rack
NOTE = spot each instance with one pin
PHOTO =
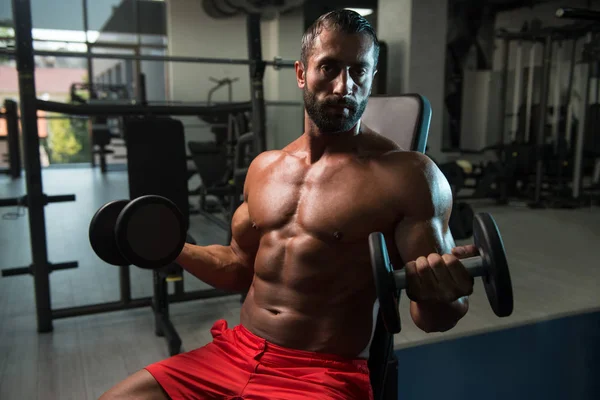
(546, 37)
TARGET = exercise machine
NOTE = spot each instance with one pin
(104, 130)
(587, 141)
(534, 158)
(217, 163)
(219, 83)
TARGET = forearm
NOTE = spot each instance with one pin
(438, 317)
(218, 266)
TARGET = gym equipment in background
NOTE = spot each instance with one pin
(35, 200)
(542, 147)
(105, 131)
(222, 169)
(219, 84)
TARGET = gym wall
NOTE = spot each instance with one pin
(415, 32)
(192, 32)
(284, 123)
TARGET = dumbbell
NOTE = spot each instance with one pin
(490, 264)
(148, 232)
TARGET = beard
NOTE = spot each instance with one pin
(328, 121)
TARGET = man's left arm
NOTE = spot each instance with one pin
(438, 285)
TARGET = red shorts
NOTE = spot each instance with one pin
(239, 365)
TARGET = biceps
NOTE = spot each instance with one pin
(244, 238)
(416, 237)
(424, 228)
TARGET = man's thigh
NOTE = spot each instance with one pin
(139, 386)
(210, 372)
(323, 383)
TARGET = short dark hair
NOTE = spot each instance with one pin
(345, 21)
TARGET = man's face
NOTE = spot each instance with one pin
(337, 80)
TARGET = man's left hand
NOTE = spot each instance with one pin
(440, 278)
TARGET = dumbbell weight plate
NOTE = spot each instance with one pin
(497, 281)
(151, 232)
(102, 233)
(384, 282)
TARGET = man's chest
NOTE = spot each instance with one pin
(344, 204)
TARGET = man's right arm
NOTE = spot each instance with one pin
(230, 267)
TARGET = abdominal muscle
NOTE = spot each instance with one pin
(312, 298)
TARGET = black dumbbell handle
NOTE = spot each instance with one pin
(473, 264)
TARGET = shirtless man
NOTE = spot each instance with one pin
(300, 246)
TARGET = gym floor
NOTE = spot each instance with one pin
(554, 330)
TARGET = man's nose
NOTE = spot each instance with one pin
(344, 84)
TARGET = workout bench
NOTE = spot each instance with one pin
(404, 119)
(157, 165)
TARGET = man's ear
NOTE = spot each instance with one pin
(300, 74)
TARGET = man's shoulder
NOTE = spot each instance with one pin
(266, 159)
(408, 161)
(415, 174)
(399, 164)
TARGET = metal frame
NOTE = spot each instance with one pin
(35, 199)
(502, 123)
(540, 134)
(546, 37)
(11, 116)
(86, 29)
(276, 62)
(580, 138)
(589, 15)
